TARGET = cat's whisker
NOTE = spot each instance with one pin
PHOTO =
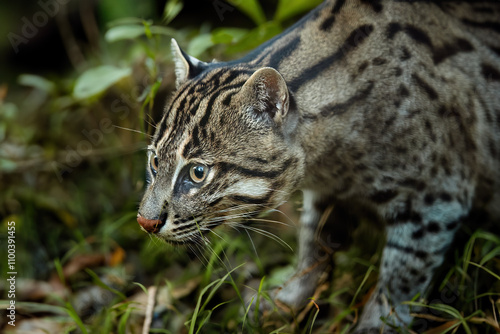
(242, 207)
(268, 234)
(198, 252)
(266, 208)
(217, 256)
(253, 244)
(152, 240)
(283, 214)
(150, 123)
(272, 221)
(133, 130)
(217, 235)
(228, 218)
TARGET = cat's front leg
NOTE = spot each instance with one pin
(419, 233)
(313, 260)
(325, 226)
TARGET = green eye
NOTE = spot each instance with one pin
(198, 173)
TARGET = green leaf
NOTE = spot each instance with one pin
(207, 316)
(290, 8)
(256, 37)
(8, 111)
(133, 31)
(487, 270)
(147, 29)
(200, 44)
(314, 319)
(96, 80)
(159, 330)
(74, 315)
(228, 35)
(367, 274)
(103, 285)
(125, 21)
(447, 309)
(32, 307)
(251, 8)
(129, 31)
(160, 30)
(172, 9)
(257, 302)
(491, 255)
(215, 285)
(59, 269)
(143, 288)
(279, 330)
(37, 82)
(122, 326)
(7, 165)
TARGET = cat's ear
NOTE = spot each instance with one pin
(268, 93)
(186, 67)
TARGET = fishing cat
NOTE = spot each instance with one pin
(389, 106)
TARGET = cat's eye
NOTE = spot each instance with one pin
(153, 163)
(198, 173)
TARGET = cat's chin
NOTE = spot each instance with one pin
(181, 242)
(199, 238)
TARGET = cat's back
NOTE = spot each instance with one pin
(409, 81)
(342, 39)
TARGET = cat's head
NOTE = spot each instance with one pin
(224, 150)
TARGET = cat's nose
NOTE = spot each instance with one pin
(150, 225)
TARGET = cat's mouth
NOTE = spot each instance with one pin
(174, 236)
(189, 231)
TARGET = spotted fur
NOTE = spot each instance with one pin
(389, 106)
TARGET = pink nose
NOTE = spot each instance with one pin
(150, 225)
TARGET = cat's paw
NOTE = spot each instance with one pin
(289, 299)
(261, 305)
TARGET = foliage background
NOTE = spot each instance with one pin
(82, 84)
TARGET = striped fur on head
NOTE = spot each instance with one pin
(239, 124)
